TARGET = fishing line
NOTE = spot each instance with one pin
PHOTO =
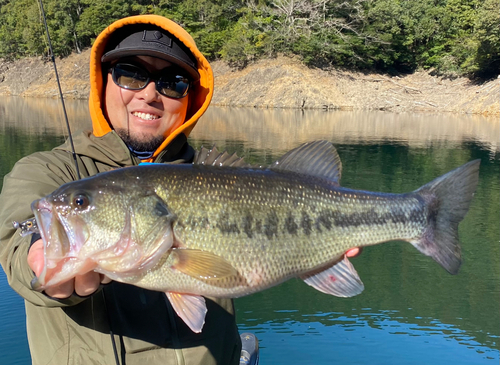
(60, 91)
(113, 342)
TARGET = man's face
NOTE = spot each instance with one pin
(143, 118)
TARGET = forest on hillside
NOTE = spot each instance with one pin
(460, 37)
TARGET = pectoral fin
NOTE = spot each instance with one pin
(202, 264)
(191, 308)
(340, 280)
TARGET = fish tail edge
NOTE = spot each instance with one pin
(448, 200)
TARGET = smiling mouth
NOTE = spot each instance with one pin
(145, 116)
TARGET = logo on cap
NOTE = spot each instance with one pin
(157, 37)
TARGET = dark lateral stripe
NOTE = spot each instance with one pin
(325, 220)
(306, 224)
(395, 214)
(226, 226)
(290, 225)
(271, 225)
(247, 225)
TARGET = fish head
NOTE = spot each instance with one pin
(102, 225)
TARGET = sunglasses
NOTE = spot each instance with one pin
(169, 82)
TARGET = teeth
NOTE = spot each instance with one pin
(145, 116)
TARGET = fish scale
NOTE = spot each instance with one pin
(273, 249)
(220, 231)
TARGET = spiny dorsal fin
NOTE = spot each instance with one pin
(317, 158)
(212, 157)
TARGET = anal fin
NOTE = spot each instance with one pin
(340, 280)
(190, 308)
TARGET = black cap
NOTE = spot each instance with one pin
(147, 40)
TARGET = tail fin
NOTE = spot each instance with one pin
(449, 198)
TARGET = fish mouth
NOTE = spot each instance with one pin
(44, 217)
(56, 245)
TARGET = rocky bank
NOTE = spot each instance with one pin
(282, 83)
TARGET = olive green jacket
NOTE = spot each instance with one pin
(77, 330)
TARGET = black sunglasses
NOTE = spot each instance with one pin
(169, 82)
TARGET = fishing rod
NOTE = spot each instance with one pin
(31, 225)
(60, 92)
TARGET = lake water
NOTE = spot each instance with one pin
(412, 311)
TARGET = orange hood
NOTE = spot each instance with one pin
(198, 100)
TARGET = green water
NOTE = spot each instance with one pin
(412, 311)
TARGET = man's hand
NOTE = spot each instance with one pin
(82, 285)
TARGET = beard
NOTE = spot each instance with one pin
(140, 143)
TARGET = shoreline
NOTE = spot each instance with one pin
(281, 82)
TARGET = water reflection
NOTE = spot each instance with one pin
(368, 338)
(43, 116)
(412, 311)
(280, 130)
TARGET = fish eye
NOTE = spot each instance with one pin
(81, 201)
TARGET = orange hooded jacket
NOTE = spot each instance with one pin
(199, 97)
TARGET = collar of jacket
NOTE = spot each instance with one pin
(178, 151)
(110, 150)
(199, 97)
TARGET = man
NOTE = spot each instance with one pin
(149, 86)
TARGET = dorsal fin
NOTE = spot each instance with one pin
(317, 158)
(212, 157)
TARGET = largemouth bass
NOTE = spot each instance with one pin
(196, 230)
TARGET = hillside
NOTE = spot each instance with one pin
(282, 83)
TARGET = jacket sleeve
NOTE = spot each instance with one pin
(31, 178)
